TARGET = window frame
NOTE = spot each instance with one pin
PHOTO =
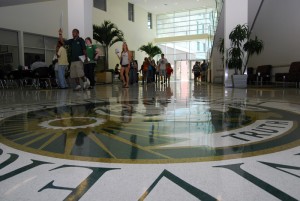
(131, 12)
(100, 4)
(150, 21)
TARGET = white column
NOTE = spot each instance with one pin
(80, 16)
(21, 48)
(236, 12)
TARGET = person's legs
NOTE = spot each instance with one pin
(168, 78)
(80, 74)
(143, 77)
(57, 78)
(73, 75)
(92, 75)
(131, 78)
(122, 75)
(61, 76)
(127, 76)
(89, 71)
(86, 70)
(76, 72)
(163, 75)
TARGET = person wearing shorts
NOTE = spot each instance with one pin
(125, 59)
(162, 68)
(78, 49)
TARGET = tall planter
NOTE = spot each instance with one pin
(242, 47)
(107, 34)
(104, 77)
(239, 81)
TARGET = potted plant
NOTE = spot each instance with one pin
(151, 50)
(107, 34)
(241, 44)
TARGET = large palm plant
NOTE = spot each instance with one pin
(253, 46)
(107, 34)
(238, 36)
(150, 49)
(236, 54)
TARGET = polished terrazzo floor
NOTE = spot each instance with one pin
(177, 141)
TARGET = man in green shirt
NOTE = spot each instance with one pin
(78, 55)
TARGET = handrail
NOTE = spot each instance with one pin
(219, 8)
(258, 11)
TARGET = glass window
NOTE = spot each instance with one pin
(185, 23)
(50, 43)
(8, 37)
(100, 4)
(33, 41)
(9, 50)
(149, 20)
(131, 12)
(43, 46)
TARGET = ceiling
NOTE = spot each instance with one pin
(168, 6)
(153, 6)
(16, 2)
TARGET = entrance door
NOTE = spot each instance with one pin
(182, 70)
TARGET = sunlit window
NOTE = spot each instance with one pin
(185, 23)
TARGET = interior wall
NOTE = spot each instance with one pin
(40, 18)
(45, 19)
(136, 33)
(277, 25)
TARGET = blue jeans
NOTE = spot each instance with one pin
(61, 76)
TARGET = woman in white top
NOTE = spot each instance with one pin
(125, 59)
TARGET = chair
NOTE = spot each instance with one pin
(262, 74)
(27, 78)
(292, 76)
(15, 77)
(42, 77)
(3, 79)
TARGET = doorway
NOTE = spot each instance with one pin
(183, 70)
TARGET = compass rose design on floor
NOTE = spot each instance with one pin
(124, 132)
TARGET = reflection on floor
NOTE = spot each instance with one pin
(176, 141)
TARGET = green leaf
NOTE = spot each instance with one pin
(150, 50)
(107, 34)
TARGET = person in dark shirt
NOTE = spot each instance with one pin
(196, 70)
(204, 67)
(78, 56)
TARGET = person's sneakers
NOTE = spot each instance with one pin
(88, 81)
(90, 87)
(77, 88)
(85, 85)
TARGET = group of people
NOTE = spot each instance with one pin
(83, 56)
(150, 70)
(199, 71)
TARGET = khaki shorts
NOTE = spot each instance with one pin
(162, 72)
(76, 69)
